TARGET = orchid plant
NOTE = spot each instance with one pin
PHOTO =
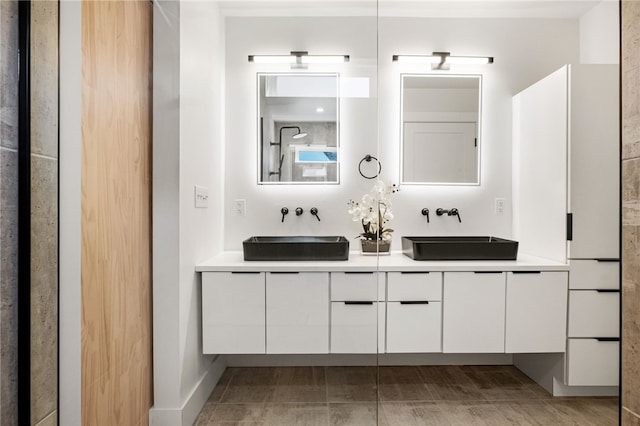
(374, 211)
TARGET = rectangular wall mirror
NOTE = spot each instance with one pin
(298, 128)
(440, 129)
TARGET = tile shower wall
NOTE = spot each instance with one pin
(8, 209)
(44, 212)
(630, 212)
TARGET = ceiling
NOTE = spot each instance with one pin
(567, 9)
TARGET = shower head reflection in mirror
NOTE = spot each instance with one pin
(298, 128)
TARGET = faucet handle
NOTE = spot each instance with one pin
(284, 211)
(425, 212)
(314, 212)
(455, 212)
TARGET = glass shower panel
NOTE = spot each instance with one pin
(301, 97)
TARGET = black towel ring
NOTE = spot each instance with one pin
(368, 159)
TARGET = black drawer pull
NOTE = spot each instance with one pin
(358, 272)
(284, 272)
(608, 339)
(487, 272)
(358, 302)
(607, 259)
(526, 272)
(414, 272)
(245, 272)
(608, 290)
(414, 302)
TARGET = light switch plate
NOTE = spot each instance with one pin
(201, 197)
(240, 207)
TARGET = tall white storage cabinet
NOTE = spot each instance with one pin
(570, 211)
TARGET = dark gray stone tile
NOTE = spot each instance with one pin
(9, 74)
(44, 286)
(44, 78)
(8, 284)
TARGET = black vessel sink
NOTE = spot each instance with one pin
(296, 248)
(459, 248)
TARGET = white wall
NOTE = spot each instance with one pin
(188, 116)
(521, 48)
(600, 34)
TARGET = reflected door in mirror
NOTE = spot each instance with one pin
(440, 122)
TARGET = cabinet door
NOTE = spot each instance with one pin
(594, 164)
(473, 312)
(298, 313)
(414, 326)
(233, 313)
(354, 327)
(536, 312)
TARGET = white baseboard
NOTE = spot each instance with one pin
(367, 359)
(188, 413)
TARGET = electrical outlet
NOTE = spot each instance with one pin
(240, 207)
(201, 197)
(500, 206)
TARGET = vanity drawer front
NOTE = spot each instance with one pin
(594, 275)
(356, 286)
(414, 286)
(413, 328)
(592, 362)
(354, 327)
(594, 314)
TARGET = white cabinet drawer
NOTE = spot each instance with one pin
(594, 313)
(356, 286)
(233, 313)
(404, 286)
(593, 275)
(592, 362)
(414, 327)
(354, 327)
(297, 308)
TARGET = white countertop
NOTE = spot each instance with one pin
(396, 261)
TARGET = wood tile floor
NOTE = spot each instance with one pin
(433, 395)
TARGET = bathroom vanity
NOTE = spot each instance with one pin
(388, 305)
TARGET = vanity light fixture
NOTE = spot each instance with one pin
(442, 60)
(298, 59)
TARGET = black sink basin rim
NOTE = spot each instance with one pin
(459, 248)
(296, 248)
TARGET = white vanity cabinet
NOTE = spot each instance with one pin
(536, 316)
(473, 319)
(357, 301)
(414, 312)
(233, 313)
(297, 312)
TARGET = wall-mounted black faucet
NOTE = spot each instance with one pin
(314, 212)
(284, 211)
(299, 211)
(425, 212)
(451, 212)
